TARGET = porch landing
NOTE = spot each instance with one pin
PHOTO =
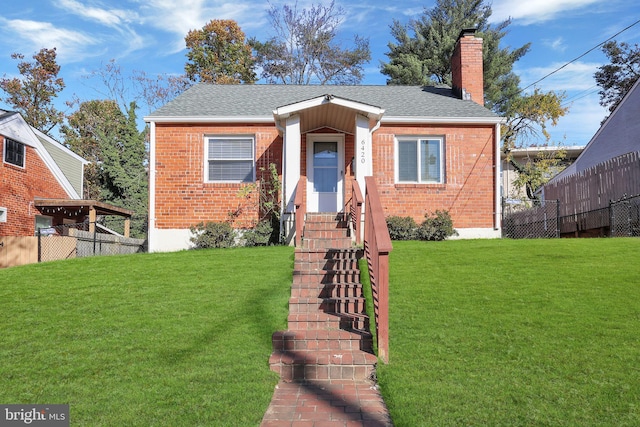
(325, 358)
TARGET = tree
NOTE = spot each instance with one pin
(32, 94)
(304, 50)
(527, 117)
(82, 132)
(110, 140)
(617, 78)
(124, 176)
(424, 58)
(218, 53)
(136, 86)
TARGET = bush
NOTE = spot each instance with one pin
(438, 227)
(212, 235)
(401, 228)
(260, 235)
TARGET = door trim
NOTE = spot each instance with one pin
(312, 202)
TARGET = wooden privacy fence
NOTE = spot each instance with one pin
(599, 201)
(596, 187)
(64, 242)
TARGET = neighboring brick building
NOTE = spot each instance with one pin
(33, 166)
(428, 148)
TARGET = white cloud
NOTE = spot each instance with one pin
(557, 44)
(70, 45)
(529, 12)
(108, 17)
(181, 17)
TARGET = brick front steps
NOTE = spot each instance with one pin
(328, 334)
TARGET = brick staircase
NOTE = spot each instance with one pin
(328, 331)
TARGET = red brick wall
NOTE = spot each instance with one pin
(19, 186)
(183, 198)
(468, 190)
(466, 67)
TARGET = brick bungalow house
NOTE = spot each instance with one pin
(41, 182)
(33, 166)
(428, 148)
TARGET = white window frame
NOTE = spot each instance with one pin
(417, 139)
(24, 152)
(207, 138)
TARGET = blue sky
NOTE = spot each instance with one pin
(148, 35)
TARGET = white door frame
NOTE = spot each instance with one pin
(312, 197)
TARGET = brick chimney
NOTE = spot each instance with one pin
(466, 67)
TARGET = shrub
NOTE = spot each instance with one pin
(212, 235)
(438, 227)
(401, 228)
(260, 235)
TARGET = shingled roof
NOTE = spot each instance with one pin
(204, 101)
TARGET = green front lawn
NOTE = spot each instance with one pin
(483, 333)
(514, 333)
(180, 339)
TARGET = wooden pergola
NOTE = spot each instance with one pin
(70, 208)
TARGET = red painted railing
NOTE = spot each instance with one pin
(356, 210)
(377, 245)
(300, 211)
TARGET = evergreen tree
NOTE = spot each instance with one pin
(424, 57)
(110, 140)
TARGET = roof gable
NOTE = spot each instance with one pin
(13, 126)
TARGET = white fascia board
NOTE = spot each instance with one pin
(445, 120)
(16, 128)
(371, 111)
(205, 119)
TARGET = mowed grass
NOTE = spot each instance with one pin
(514, 333)
(180, 339)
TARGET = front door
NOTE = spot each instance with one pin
(325, 171)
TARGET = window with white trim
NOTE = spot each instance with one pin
(14, 152)
(419, 160)
(229, 159)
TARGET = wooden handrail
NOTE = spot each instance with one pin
(356, 210)
(377, 246)
(300, 211)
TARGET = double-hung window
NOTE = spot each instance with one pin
(14, 152)
(420, 160)
(229, 159)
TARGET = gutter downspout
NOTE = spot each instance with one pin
(284, 159)
(497, 205)
(152, 185)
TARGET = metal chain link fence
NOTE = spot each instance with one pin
(541, 219)
(530, 219)
(76, 240)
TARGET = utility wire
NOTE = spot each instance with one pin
(587, 52)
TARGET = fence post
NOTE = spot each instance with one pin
(558, 218)
(39, 245)
(95, 230)
(612, 224)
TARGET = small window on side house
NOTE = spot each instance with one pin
(420, 160)
(14, 152)
(229, 159)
